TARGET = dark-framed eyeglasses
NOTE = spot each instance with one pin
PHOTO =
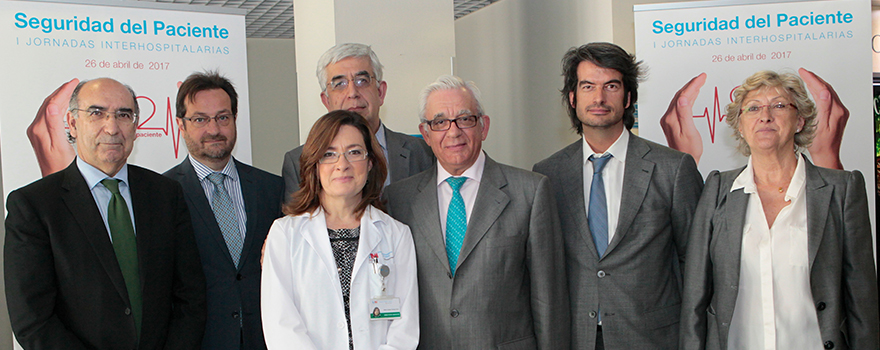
(203, 120)
(360, 81)
(123, 116)
(463, 122)
(352, 155)
(777, 108)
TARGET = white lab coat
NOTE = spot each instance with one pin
(302, 305)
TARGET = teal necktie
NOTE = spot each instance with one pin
(125, 246)
(456, 222)
(226, 216)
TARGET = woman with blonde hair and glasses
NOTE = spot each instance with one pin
(780, 253)
(338, 272)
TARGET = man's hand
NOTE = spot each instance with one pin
(678, 121)
(831, 117)
(47, 134)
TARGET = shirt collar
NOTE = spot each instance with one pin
(94, 175)
(746, 179)
(617, 149)
(202, 171)
(475, 172)
(380, 136)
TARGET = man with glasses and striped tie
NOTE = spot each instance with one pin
(232, 206)
(101, 255)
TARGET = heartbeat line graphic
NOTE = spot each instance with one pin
(170, 128)
(717, 115)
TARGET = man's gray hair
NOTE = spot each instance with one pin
(342, 51)
(449, 82)
(74, 103)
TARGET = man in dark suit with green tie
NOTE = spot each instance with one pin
(101, 255)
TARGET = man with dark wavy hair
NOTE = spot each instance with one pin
(625, 205)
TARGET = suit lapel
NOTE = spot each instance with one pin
(370, 237)
(198, 204)
(78, 199)
(571, 175)
(637, 174)
(398, 156)
(425, 205)
(249, 192)
(144, 217)
(490, 202)
(818, 202)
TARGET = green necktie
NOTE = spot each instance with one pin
(125, 246)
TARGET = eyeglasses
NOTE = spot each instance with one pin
(360, 81)
(777, 108)
(352, 155)
(203, 120)
(443, 124)
(99, 114)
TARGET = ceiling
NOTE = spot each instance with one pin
(274, 18)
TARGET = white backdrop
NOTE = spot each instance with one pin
(47, 44)
(730, 41)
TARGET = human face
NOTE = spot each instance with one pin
(345, 179)
(599, 98)
(104, 144)
(364, 101)
(456, 149)
(211, 144)
(767, 131)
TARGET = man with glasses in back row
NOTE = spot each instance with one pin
(350, 76)
(101, 255)
(232, 206)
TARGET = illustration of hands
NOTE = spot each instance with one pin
(47, 132)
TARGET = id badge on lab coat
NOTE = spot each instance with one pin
(382, 305)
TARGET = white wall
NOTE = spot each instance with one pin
(512, 50)
(274, 113)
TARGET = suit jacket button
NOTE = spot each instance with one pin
(829, 344)
(238, 277)
(454, 313)
(592, 314)
(127, 311)
(601, 274)
(235, 315)
(820, 306)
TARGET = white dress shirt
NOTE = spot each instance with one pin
(233, 186)
(774, 304)
(468, 189)
(102, 195)
(612, 176)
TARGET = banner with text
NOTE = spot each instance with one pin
(729, 41)
(49, 47)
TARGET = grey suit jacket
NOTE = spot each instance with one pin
(407, 156)
(636, 284)
(842, 277)
(509, 288)
(233, 293)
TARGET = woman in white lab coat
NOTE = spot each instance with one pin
(338, 272)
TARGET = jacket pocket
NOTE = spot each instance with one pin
(529, 343)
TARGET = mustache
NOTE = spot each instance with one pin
(600, 105)
(109, 139)
(213, 138)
